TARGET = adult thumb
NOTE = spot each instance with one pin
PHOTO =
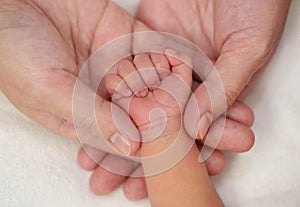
(100, 123)
(219, 90)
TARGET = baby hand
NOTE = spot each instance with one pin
(153, 89)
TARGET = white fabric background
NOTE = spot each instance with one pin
(38, 168)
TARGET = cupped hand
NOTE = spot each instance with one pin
(43, 46)
(239, 37)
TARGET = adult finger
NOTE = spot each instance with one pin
(216, 163)
(135, 186)
(89, 158)
(111, 172)
(235, 137)
(241, 113)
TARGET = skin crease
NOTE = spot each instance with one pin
(45, 43)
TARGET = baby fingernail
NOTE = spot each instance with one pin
(142, 93)
(204, 123)
(121, 143)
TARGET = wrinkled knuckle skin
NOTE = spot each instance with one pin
(231, 95)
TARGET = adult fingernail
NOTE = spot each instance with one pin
(204, 123)
(122, 143)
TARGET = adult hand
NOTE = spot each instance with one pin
(239, 36)
(43, 45)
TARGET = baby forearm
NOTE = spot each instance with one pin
(186, 184)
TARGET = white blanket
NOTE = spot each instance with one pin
(38, 168)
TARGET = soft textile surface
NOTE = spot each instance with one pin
(38, 168)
